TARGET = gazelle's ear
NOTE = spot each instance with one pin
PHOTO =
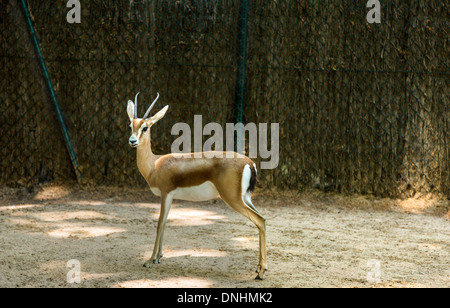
(158, 116)
(130, 110)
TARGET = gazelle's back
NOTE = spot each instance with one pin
(192, 176)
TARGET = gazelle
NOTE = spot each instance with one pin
(200, 178)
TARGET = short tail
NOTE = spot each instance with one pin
(252, 184)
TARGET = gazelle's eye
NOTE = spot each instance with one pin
(145, 129)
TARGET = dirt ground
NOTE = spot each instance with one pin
(314, 240)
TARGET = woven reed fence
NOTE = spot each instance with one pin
(362, 108)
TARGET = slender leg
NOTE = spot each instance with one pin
(262, 244)
(262, 235)
(238, 205)
(160, 250)
(166, 202)
(260, 222)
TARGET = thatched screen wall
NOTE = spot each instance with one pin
(362, 107)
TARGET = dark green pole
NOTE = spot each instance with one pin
(72, 155)
(242, 61)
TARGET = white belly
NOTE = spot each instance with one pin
(203, 192)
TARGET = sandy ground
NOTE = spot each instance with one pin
(314, 240)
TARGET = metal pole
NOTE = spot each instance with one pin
(242, 61)
(63, 126)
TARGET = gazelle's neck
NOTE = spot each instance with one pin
(146, 159)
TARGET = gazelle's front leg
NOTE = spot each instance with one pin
(166, 202)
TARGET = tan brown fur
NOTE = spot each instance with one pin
(170, 172)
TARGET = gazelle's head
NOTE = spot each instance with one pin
(140, 127)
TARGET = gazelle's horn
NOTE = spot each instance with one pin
(150, 108)
(135, 106)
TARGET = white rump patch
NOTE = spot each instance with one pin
(246, 175)
(246, 196)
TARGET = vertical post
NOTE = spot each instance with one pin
(240, 82)
(63, 126)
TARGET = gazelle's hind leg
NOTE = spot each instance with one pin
(262, 240)
(248, 201)
(249, 211)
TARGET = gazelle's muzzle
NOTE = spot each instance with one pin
(133, 141)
